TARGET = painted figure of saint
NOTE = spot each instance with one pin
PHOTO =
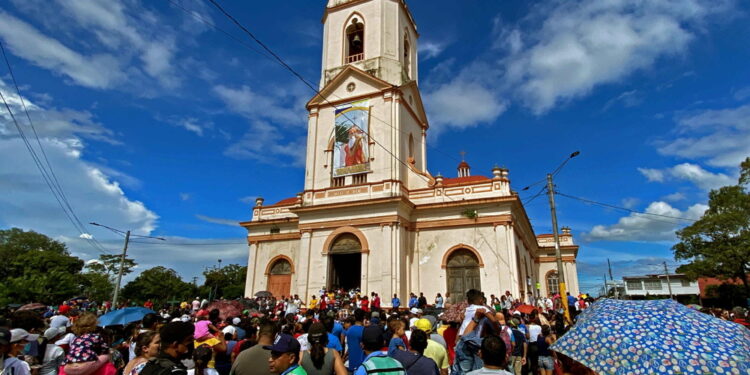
(354, 150)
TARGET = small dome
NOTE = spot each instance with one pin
(463, 164)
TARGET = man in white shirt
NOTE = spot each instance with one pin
(475, 299)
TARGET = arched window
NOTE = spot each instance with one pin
(281, 267)
(355, 41)
(553, 283)
(407, 56)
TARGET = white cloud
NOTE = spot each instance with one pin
(95, 71)
(689, 172)
(274, 119)
(640, 227)
(461, 104)
(652, 175)
(675, 197)
(429, 50)
(86, 236)
(581, 45)
(721, 137)
(94, 195)
(630, 202)
(218, 220)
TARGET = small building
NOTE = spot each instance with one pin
(638, 287)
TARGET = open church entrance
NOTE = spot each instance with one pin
(345, 262)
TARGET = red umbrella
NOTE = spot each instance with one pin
(525, 309)
(227, 309)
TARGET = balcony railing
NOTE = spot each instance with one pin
(355, 57)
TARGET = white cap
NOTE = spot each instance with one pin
(236, 321)
(19, 334)
(414, 310)
(53, 332)
(176, 319)
(185, 318)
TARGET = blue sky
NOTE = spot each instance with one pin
(156, 122)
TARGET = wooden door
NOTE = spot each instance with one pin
(462, 274)
(279, 285)
(280, 278)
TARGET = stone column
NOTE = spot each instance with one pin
(252, 256)
(386, 261)
(303, 267)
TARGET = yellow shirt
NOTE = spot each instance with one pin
(313, 304)
(211, 342)
(442, 329)
(437, 353)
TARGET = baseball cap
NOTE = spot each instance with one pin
(423, 325)
(414, 310)
(19, 334)
(53, 332)
(236, 321)
(284, 343)
(4, 336)
(373, 335)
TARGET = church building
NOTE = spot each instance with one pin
(370, 215)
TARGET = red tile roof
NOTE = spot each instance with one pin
(285, 202)
(465, 180)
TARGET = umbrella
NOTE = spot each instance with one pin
(33, 306)
(264, 293)
(455, 313)
(525, 309)
(124, 316)
(227, 309)
(655, 337)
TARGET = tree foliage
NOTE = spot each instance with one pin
(36, 268)
(718, 244)
(160, 284)
(227, 281)
(109, 264)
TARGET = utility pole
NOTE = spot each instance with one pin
(666, 271)
(122, 258)
(558, 255)
(617, 292)
(605, 285)
(119, 274)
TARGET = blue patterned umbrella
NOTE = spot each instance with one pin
(123, 316)
(655, 337)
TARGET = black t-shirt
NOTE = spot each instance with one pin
(421, 302)
(520, 339)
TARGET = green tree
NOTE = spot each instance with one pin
(36, 268)
(109, 264)
(97, 286)
(160, 284)
(227, 281)
(718, 244)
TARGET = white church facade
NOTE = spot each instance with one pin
(371, 216)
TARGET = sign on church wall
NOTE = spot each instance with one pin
(351, 129)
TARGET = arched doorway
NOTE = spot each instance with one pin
(345, 262)
(280, 276)
(462, 269)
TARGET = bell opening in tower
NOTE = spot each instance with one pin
(355, 37)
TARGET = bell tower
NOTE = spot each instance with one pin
(367, 126)
(377, 36)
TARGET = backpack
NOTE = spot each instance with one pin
(383, 365)
(467, 354)
(162, 366)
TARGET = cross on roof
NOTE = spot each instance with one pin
(463, 155)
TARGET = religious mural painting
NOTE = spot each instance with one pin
(350, 152)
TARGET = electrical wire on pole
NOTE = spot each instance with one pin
(116, 294)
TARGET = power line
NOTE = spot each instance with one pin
(189, 244)
(623, 208)
(49, 177)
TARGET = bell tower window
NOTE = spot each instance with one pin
(355, 41)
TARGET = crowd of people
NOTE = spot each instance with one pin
(333, 333)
